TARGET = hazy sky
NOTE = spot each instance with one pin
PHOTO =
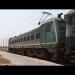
(15, 22)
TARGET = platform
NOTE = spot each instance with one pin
(19, 60)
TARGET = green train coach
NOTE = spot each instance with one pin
(49, 40)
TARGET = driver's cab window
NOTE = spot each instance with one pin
(48, 34)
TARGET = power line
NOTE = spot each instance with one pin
(26, 19)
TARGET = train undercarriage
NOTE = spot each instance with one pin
(41, 53)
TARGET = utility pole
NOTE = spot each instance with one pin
(3, 45)
(6, 44)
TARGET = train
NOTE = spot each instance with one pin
(54, 39)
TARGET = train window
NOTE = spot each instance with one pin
(28, 38)
(21, 39)
(73, 20)
(50, 33)
(38, 36)
(73, 30)
(61, 29)
(48, 27)
(62, 25)
(24, 38)
(32, 37)
(18, 40)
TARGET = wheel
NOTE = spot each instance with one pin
(41, 53)
(30, 52)
(58, 56)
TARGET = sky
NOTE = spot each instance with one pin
(14, 22)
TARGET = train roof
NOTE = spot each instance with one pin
(24, 34)
(34, 30)
(52, 19)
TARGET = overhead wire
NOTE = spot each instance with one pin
(25, 20)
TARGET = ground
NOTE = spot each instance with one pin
(7, 58)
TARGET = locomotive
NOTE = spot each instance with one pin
(54, 38)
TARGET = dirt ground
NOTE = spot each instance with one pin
(10, 59)
(4, 60)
